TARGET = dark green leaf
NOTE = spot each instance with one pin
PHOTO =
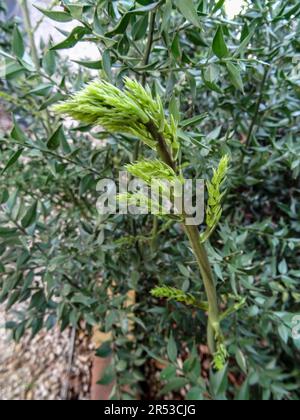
(172, 349)
(105, 350)
(18, 46)
(174, 385)
(174, 108)
(97, 27)
(37, 300)
(218, 6)
(188, 10)
(75, 36)
(95, 65)
(7, 232)
(195, 394)
(193, 121)
(219, 382)
(283, 333)
(4, 196)
(55, 15)
(55, 140)
(241, 360)
(235, 76)
(12, 160)
(176, 47)
(36, 326)
(140, 28)
(147, 8)
(12, 299)
(219, 46)
(184, 271)
(30, 216)
(243, 393)
(121, 26)
(108, 376)
(168, 373)
(76, 10)
(52, 100)
(86, 183)
(41, 90)
(245, 40)
(19, 332)
(17, 133)
(106, 63)
(49, 62)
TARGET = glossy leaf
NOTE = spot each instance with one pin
(57, 16)
(219, 46)
(12, 160)
(188, 10)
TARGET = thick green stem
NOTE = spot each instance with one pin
(162, 147)
(213, 329)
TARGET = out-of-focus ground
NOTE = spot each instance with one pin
(53, 366)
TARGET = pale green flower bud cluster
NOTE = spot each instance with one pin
(220, 357)
(162, 179)
(214, 204)
(128, 111)
(171, 293)
(135, 111)
(151, 170)
(155, 111)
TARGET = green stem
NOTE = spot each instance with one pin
(28, 27)
(259, 100)
(213, 330)
(149, 45)
(162, 147)
(154, 234)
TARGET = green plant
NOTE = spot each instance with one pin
(70, 265)
(137, 112)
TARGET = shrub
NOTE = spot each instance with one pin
(230, 88)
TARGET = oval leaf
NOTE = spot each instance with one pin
(54, 142)
(12, 160)
(235, 76)
(219, 46)
(188, 10)
(55, 15)
(30, 216)
(74, 37)
(18, 43)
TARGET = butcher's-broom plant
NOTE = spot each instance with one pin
(135, 111)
